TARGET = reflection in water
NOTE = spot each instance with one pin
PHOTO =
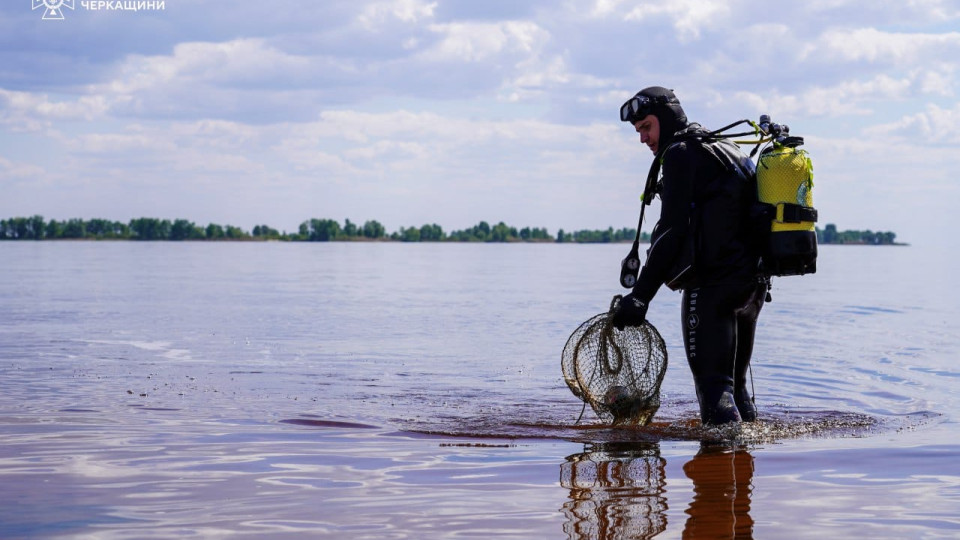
(616, 491)
(722, 482)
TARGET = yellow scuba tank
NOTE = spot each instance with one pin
(785, 195)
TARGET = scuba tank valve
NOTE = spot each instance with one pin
(779, 133)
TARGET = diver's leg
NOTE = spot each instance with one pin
(746, 330)
(710, 341)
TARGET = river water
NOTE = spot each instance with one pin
(383, 390)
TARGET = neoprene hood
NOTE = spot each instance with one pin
(668, 111)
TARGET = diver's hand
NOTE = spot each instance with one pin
(632, 311)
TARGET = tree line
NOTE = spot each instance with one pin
(36, 228)
(312, 230)
(830, 235)
(329, 230)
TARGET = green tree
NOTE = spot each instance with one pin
(37, 227)
(182, 229)
(409, 235)
(324, 230)
(373, 229)
(100, 228)
(150, 229)
(7, 230)
(21, 226)
(431, 233)
(214, 232)
(624, 235)
(350, 229)
(482, 231)
(235, 233)
(500, 233)
(75, 228)
(54, 229)
(263, 231)
(829, 234)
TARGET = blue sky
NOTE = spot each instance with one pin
(247, 112)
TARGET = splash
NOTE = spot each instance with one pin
(771, 428)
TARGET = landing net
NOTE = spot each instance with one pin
(617, 372)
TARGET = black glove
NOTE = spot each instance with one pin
(632, 311)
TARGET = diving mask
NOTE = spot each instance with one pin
(639, 106)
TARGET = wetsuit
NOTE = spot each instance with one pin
(704, 228)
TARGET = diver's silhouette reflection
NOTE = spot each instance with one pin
(616, 491)
(722, 478)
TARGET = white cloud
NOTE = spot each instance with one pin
(11, 169)
(875, 46)
(688, 17)
(237, 79)
(938, 78)
(408, 11)
(847, 98)
(219, 134)
(921, 11)
(119, 143)
(935, 125)
(26, 111)
(475, 42)
(231, 62)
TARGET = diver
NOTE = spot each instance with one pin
(702, 244)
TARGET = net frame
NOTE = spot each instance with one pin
(617, 372)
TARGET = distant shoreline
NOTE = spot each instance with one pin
(377, 241)
(328, 230)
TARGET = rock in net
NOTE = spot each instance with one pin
(617, 372)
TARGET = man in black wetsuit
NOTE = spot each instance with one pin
(703, 245)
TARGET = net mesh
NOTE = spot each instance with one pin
(786, 176)
(617, 372)
(617, 490)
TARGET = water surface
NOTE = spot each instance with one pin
(384, 390)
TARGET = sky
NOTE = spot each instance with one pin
(453, 112)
